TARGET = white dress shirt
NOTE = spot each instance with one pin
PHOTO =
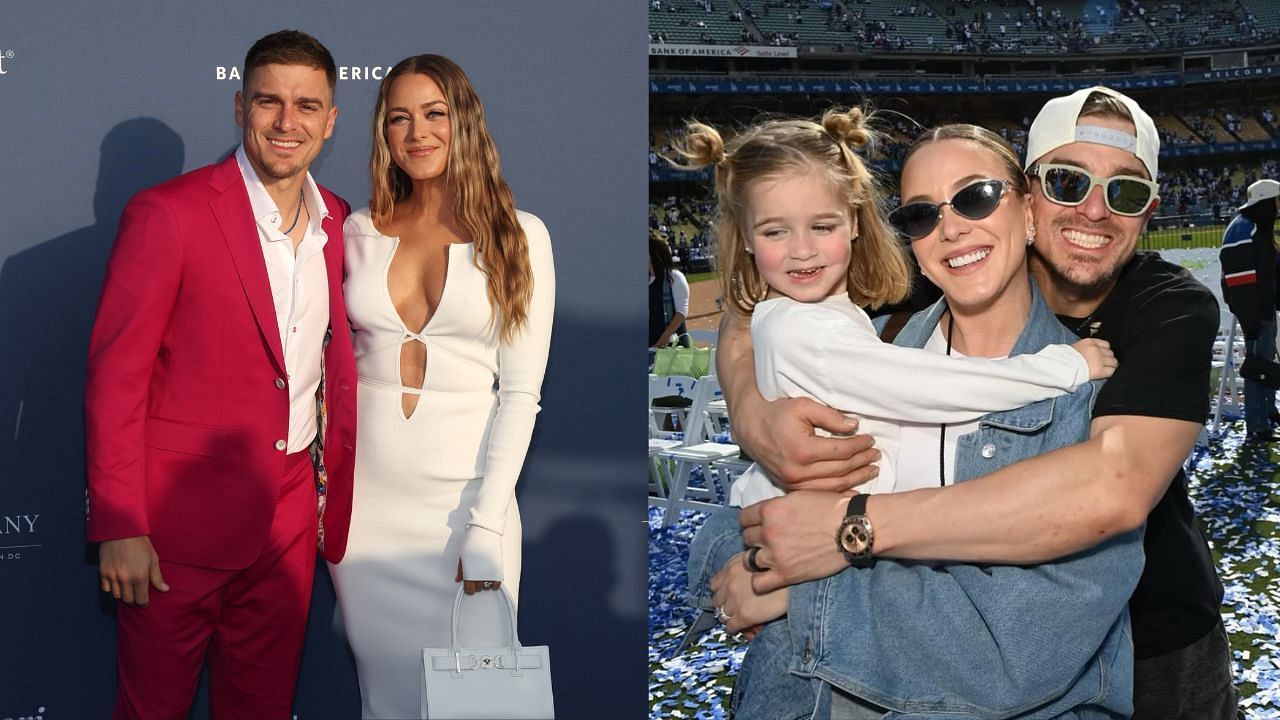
(300, 293)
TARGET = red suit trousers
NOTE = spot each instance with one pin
(250, 623)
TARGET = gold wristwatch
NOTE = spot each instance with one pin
(856, 536)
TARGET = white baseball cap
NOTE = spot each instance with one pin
(1262, 190)
(1056, 126)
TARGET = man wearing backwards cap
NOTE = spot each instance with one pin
(1249, 286)
(1161, 324)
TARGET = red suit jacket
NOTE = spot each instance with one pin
(183, 399)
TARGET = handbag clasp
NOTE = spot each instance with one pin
(457, 662)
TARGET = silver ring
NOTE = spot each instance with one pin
(752, 565)
(488, 585)
(721, 616)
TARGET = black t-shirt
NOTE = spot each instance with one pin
(1161, 324)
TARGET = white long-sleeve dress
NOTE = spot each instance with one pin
(437, 485)
(830, 352)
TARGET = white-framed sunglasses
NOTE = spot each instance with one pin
(1070, 185)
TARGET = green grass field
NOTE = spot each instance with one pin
(1180, 238)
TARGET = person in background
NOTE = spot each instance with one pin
(1248, 258)
(668, 297)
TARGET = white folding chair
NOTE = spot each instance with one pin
(1226, 362)
(666, 430)
(698, 451)
(673, 414)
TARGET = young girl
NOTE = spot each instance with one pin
(803, 246)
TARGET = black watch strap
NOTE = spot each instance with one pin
(857, 505)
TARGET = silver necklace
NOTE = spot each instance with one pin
(297, 214)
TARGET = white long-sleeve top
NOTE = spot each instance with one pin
(830, 352)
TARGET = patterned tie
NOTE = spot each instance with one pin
(317, 449)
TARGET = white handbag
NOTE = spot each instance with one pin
(504, 682)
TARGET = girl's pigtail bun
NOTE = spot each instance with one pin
(700, 146)
(848, 127)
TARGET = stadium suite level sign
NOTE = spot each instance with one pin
(729, 51)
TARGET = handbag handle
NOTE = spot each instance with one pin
(513, 642)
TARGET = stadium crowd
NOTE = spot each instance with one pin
(1031, 27)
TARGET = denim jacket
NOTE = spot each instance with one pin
(954, 641)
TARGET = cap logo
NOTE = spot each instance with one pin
(1107, 136)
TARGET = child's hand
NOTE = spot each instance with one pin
(1097, 353)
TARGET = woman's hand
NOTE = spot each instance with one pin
(742, 609)
(471, 586)
(1097, 353)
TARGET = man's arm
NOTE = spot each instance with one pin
(1044, 507)
(139, 292)
(1030, 512)
(780, 434)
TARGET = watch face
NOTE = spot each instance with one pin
(855, 535)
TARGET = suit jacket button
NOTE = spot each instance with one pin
(281, 445)
(279, 383)
(988, 451)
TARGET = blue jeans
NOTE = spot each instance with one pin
(1259, 399)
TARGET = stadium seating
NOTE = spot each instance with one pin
(689, 22)
(989, 26)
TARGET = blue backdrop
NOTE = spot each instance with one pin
(99, 100)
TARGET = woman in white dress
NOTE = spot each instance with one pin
(450, 291)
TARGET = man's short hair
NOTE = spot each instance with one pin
(1107, 106)
(291, 47)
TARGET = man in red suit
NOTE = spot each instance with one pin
(221, 315)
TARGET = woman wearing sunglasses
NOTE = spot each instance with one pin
(938, 639)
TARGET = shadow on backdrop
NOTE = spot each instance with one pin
(577, 557)
(48, 297)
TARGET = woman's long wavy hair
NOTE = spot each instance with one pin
(480, 198)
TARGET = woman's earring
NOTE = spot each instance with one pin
(749, 250)
(1031, 236)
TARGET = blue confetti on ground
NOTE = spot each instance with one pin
(1236, 492)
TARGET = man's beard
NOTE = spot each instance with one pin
(282, 170)
(1094, 288)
